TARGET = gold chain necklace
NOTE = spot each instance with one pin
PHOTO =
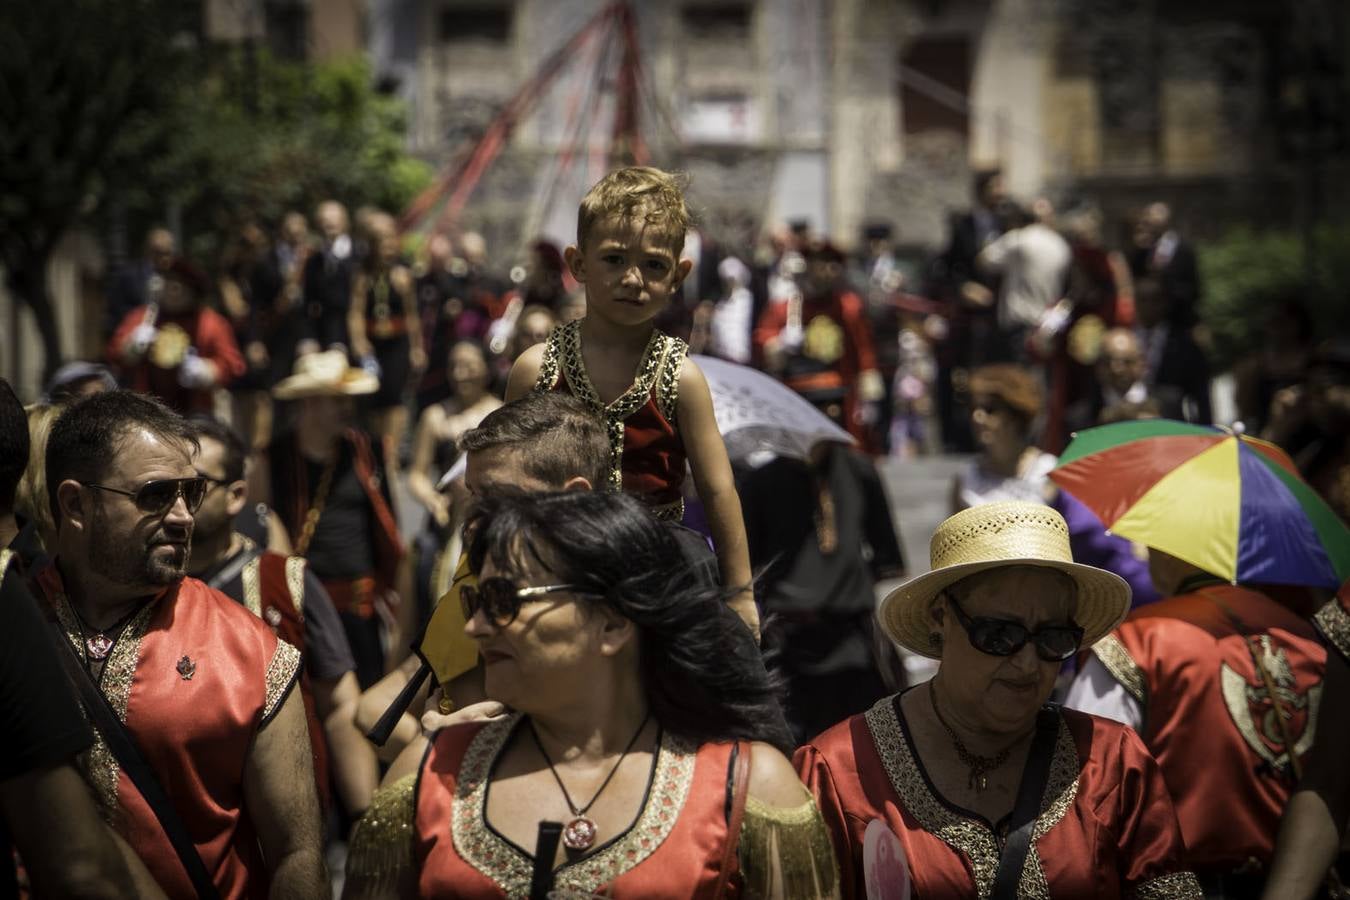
(979, 766)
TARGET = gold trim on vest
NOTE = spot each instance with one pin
(510, 869)
(969, 837)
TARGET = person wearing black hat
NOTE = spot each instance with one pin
(176, 348)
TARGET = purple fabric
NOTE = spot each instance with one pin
(1277, 544)
(1092, 546)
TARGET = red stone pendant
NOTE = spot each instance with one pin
(579, 834)
(99, 646)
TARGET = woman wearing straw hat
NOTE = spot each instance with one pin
(971, 779)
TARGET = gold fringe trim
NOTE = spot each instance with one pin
(381, 850)
(1177, 886)
(786, 852)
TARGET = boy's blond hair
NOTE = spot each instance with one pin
(636, 192)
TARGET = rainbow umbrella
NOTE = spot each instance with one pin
(1232, 505)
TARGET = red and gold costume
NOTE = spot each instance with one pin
(1106, 827)
(836, 349)
(647, 457)
(673, 849)
(205, 330)
(1333, 622)
(1190, 662)
(193, 678)
(274, 591)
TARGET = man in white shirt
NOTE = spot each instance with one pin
(1034, 262)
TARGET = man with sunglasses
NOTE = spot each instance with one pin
(977, 780)
(1222, 683)
(198, 685)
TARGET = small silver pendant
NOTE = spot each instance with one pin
(99, 646)
(579, 834)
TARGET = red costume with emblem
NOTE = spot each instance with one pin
(647, 457)
(1106, 827)
(836, 349)
(1190, 662)
(194, 678)
(208, 332)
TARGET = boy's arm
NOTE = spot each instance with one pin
(524, 373)
(717, 489)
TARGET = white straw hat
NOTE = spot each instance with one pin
(995, 536)
(325, 374)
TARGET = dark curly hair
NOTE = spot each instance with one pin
(704, 677)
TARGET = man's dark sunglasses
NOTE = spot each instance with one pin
(500, 599)
(156, 498)
(1002, 637)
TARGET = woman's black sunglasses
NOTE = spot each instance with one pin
(1002, 637)
(156, 498)
(500, 599)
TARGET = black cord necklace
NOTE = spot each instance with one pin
(579, 832)
(979, 766)
(100, 645)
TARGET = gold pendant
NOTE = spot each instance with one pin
(979, 782)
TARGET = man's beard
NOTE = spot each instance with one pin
(121, 565)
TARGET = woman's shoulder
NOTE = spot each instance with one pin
(773, 780)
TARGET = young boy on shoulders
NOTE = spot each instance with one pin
(630, 231)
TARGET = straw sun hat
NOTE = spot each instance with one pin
(996, 536)
(325, 374)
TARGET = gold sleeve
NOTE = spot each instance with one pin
(786, 852)
(380, 856)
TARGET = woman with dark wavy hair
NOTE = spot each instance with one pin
(644, 754)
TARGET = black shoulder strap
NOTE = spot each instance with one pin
(1028, 806)
(124, 750)
(545, 848)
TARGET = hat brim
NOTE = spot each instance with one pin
(355, 383)
(1103, 601)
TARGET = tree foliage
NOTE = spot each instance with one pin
(252, 137)
(1248, 274)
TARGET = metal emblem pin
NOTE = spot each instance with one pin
(186, 668)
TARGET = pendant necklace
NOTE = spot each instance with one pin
(579, 832)
(99, 645)
(979, 766)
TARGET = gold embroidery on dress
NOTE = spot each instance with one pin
(968, 837)
(510, 869)
(1112, 654)
(280, 674)
(1251, 708)
(1177, 886)
(562, 354)
(115, 683)
(295, 582)
(1333, 622)
(668, 383)
(252, 579)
